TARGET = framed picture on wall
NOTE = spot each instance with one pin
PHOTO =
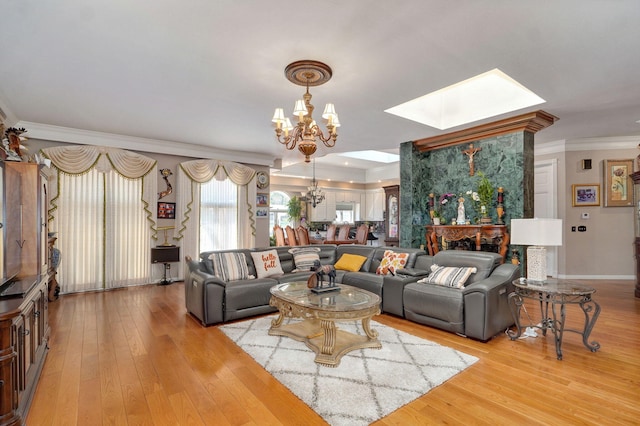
(585, 194)
(166, 210)
(617, 183)
(262, 212)
(262, 199)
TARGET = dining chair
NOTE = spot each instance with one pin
(303, 235)
(361, 234)
(291, 236)
(343, 234)
(278, 232)
(331, 233)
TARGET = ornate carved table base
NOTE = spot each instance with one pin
(558, 293)
(318, 329)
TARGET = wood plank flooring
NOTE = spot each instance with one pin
(135, 357)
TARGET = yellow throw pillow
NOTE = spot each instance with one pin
(350, 262)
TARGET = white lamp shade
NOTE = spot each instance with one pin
(329, 112)
(300, 108)
(278, 116)
(287, 125)
(536, 232)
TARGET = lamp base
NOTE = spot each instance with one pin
(537, 263)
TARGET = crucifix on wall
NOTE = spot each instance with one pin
(470, 152)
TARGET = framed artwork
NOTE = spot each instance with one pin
(166, 210)
(617, 183)
(586, 194)
(262, 199)
(262, 212)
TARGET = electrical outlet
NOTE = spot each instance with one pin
(585, 216)
(582, 229)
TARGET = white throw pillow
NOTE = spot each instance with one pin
(267, 263)
(230, 266)
(304, 257)
(449, 276)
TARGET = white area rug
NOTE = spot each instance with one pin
(367, 385)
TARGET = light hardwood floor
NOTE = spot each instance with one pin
(134, 356)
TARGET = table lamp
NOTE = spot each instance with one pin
(537, 234)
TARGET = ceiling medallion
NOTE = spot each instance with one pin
(305, 133)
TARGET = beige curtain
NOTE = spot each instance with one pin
(189, 177)
(103, 208)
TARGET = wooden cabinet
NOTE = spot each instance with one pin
(636, 225)
(392, 220)
(24, 305)
(24, 333)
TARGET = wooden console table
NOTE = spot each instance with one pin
(480, 233)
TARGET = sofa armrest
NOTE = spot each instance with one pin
(204, 296)
(486, 306)
(412, 272)
(393, 292)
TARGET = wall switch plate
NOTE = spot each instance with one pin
(585, 216)
(582, 228)
(573, 229)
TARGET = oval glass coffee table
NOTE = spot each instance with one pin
(320, 312)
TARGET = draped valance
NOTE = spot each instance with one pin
(203, 171)
(79, 159)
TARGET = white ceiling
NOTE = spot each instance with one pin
(210, 73)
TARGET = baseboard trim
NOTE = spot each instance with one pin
(597, 277)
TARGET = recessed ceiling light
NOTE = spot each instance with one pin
(483, 96)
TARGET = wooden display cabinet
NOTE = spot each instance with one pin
(24, 304)
(636, 221)
(392, 217)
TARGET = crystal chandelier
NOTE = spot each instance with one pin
(314, 194)
(306, 131)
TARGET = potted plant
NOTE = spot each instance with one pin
(294, 209)
(485, 195)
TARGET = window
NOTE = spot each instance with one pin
(278, 210)
(218, 215)
(345, 213)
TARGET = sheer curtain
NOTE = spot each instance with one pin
(218, 215)
(100, 210)
(190, 178)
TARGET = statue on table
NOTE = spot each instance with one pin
(462, 217)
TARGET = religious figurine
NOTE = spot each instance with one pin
(470, 153)
(462, 218)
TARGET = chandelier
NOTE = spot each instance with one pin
(306, 131)
(314, 194)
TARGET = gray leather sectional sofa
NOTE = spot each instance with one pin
(479, 310)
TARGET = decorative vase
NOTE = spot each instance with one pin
(436, 221)
(500, 207)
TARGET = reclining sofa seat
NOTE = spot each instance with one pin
(212, 300)
(480, 310)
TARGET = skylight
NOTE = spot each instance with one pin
(483, 96)
(378, 156)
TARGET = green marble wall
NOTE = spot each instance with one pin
(506, 160)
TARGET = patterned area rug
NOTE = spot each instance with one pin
(367, 385)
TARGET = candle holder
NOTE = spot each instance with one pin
(500, 207)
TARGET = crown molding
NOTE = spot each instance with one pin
(587, 144)
(531, 122)
(88, 137)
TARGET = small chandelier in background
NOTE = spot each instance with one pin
(306, 131)
(314, 195)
